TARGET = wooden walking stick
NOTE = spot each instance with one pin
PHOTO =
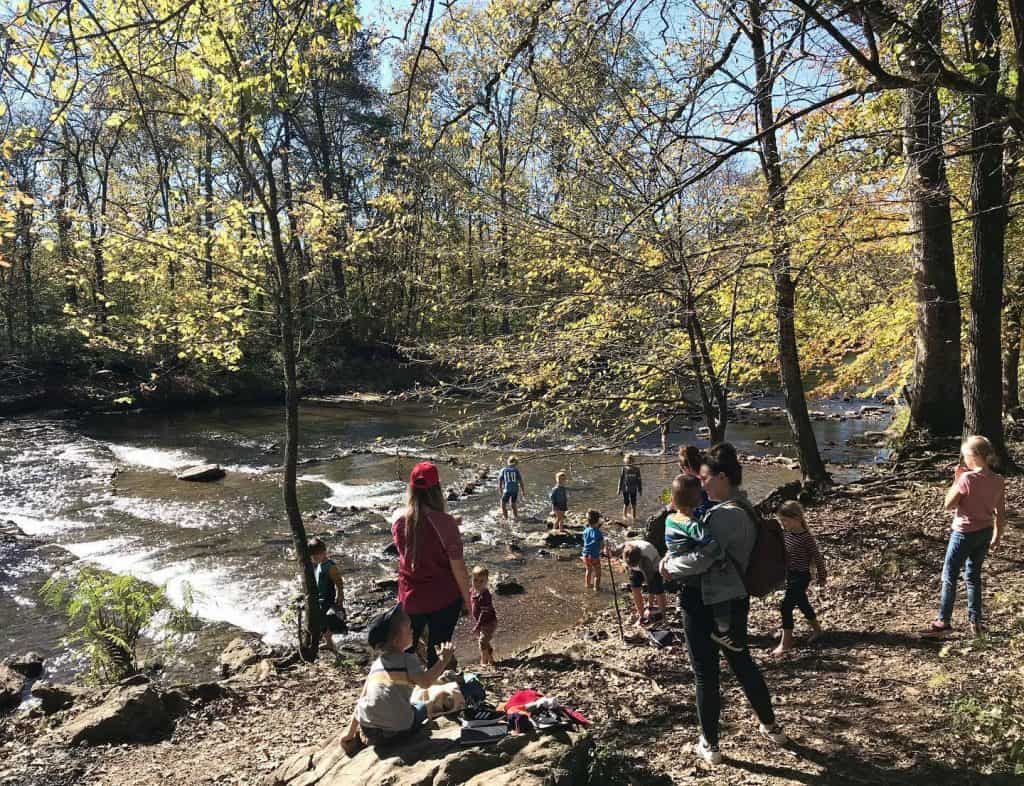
(615, 594)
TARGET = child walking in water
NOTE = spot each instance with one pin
(559, 501)
(801, 555)
(484, 616)
(593, 548)
(510, 485)
(684, 534)
(978, 498)
(631, 485)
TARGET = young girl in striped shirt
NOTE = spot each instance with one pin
(802, 555)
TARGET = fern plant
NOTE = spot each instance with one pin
(108, 614)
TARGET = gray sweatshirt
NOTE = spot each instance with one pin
(734, 534)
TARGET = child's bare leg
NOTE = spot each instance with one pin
(785, 644)
(597, 577)
(504, 510)
(515, 511)
(638, 603)
(589, 572)
(625, 512)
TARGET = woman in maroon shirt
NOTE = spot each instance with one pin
(433, 585)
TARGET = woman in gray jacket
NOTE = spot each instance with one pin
(711, 577)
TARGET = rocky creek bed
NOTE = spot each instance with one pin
(871, 703)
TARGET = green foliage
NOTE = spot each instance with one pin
(108, 614)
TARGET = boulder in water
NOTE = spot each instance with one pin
(202, 474)
(558, 758)
(132, 713)
(11, 685)
(29, 665)
(386, 585)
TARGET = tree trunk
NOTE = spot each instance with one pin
(1011, 361)
(208, 211)
(289, 353)
(64, 233)
(936, 400)
(983, 400)
(811, 464)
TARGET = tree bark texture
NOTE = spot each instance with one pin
(983, 399)
(936, 404)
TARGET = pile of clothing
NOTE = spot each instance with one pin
(523, 712)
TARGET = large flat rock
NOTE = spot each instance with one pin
(556, 758)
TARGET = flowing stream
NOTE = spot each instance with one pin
(103, 488)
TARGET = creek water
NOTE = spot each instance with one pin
(103, 488)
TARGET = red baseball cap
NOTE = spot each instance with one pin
(424, 476)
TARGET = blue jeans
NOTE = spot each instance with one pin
(966, 551)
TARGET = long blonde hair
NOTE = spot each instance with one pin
(416, 499)
(982, 448)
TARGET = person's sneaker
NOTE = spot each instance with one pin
(481, 715)
(774, 733)
(709, 753)
(724, 639)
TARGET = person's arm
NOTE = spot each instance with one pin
(622, 482)
(522, 483)
(693, 563)
(335, 574)
(819, 562)
(639, 482)
(425, 679)
(462, 579)
(1000, 519)
(956, 490)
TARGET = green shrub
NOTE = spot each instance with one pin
(108, 614)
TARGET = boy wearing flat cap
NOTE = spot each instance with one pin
(385, 709)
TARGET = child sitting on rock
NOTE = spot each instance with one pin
(385, 709)
(684, 534)
(484, 617)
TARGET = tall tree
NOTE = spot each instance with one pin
(811, 464)
(936, 396)
(984, 390)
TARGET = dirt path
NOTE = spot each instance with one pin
(871, 703)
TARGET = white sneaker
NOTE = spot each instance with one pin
(774, 733)
(709, 753)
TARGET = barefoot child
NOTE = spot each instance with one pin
(484, 617)
(801, 555)
(593, 548)
(631, 484)
(559, 501)
(385, 709)
(510, 484)
(684, 534)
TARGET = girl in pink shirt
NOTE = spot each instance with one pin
(977, 496)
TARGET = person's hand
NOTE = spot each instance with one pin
(446, 651)
(466, 605)
(458, 520)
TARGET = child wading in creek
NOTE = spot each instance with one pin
(802, 555)
(593, 548)
(510, 486)
(484, 617)
(559, 501)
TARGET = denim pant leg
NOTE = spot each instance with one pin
(955, 556)
(979, 544)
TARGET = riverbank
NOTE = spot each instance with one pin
(871, 703)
